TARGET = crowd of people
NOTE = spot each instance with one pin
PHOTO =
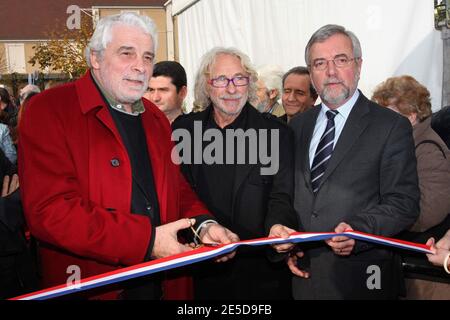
(101, 186)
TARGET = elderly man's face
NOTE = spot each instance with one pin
(126, 65)
(335, 85)
(262, 93)
(231, 99)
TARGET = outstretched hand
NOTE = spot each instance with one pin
(342, 246)
(281, 231)
(218, 234)
(166, 240)
(292, 264)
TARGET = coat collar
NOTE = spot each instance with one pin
(353, 128)
(420, 129)
(88, 94)
(90, 98)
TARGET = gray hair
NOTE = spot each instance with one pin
(271, 76)
(328, 31)
(201, 95)
(103, 35)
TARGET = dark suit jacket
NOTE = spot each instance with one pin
(371, 184)
(258, 202)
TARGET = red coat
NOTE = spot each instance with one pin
(76, 202)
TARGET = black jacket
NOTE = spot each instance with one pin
(17, 269)
(258, 202)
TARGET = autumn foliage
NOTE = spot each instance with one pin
(64, 52)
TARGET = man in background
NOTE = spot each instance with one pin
(168, 88)
(299, 94)
(269, 90)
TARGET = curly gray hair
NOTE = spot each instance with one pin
(201, 95)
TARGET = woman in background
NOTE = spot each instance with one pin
(408, 97)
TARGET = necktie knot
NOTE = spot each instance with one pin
(331, 114)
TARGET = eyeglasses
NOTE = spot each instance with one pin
(222, 81)
(339, 62)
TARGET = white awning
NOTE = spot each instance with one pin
(179, 6)
(397, 37)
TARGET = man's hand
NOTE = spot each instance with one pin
(10, 185)
(342, 246)
(279, 230)
(166, 240)
(215, 233)
(292, 264)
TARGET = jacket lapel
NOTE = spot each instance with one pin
(105, 117)
(90, 99)
(354, 126)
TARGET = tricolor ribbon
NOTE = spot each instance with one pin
(205, 253)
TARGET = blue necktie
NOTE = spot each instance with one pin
(323, 152)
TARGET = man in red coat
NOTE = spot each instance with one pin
(99, 188)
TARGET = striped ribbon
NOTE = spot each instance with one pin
(205, 253)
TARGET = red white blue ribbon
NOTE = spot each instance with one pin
(205, 253)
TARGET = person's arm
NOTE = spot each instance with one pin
(280, 205)
(281, 219)
(441, 252)
(433, 169)
(7, 145)
(399, 193)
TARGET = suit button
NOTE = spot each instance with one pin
(115, 162)
(314, 214)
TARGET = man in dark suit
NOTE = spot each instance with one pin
(355, 169)
(246, 196)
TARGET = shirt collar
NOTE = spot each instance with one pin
(136, 108)
(345, 109)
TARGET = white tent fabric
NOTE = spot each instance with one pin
(397, 37)
(180, 5)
